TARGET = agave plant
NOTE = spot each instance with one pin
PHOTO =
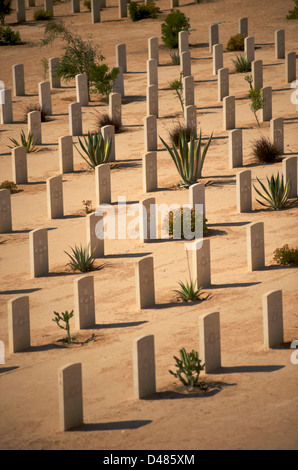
(28, 142)
(276, 196)
(187, 157)
(188, 291)
(242, 64)
(81, 259)
(188, 368)
(96, 149)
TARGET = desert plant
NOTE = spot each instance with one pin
(104, 119)
(188, 368)
(8, 37)
(28, 142)
(64, 317)
(81, 259)
(265, 151)
(45, 67)
(139, 12)
(44, 116)
(96, 149)
(87, 4)
(236, 43)
(176, 218)
(242, 64)
(175, 57)
(256, 97)
(286, 256)
(79, 55)
(189, 292)
(175, 22)
(102, 79)
(293, 14)
(9, 185)
(176, 85)
(180, 128)
(5, 9)
(187, 158)
(88, 206)
(42, 15)
(277, 195)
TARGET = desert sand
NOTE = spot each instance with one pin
(252, 402)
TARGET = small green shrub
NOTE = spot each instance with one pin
(175, 22)
(236, 43)
(139, 12)
(242, 64)
(188, 368)
(256, 97)
(87, 4)
(8, 37)
(277, 195)
(5, 9)
(42, 15)
(265, 151)
(286, 256)
(28, 142)
(81, 259)
(293, 14)
(96, 149)
(9, 185)
(175, 57)
(64, 317)
(174, 220)
(102, 79)
(188, 292)
(45, 67)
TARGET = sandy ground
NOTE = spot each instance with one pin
(252, 403)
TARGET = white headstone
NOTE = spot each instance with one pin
(84, 303)
(70, 396)
(144, 366)
(209, 340)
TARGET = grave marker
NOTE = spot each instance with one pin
(209, 340)
(75, 119)
(84, 303)
(115, 101)
(243, 26)
(6, 106)
(277, 133)
(152, 100)
(65, 154)
(257, 73)
(273, 319)
(183, 41)
(75, 6)
(150, 133)
(249, 48)
(145, 291)
(235, 148)
(185, 64)
(18, 324)
(38, 246)
(122, 8)
(243, 191)
(190, 116)
(118, 85)
(95, 11)
(55, 81)
(197, 196)
(108, 131)
(96, 245)
(223, 83)
(82, 89)
(45, 101)
(153, 49)
(34, 126)
(18, 80)
(289, 171)
(201, 266)
(147, 219)
(144, 366)
(213, 36)
(217, 58)
(266, 111)
(55, 197)
(103, 184)
(121, 57)
(229, 112)
(19, 165)
(280, 42)
(149, 167)
(70, 396)
(152, 72)
(290, 67)
(255, 246)
(5, 211)
(188, 91)
(21, 11)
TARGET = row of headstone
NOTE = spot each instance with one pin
(21, 8)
